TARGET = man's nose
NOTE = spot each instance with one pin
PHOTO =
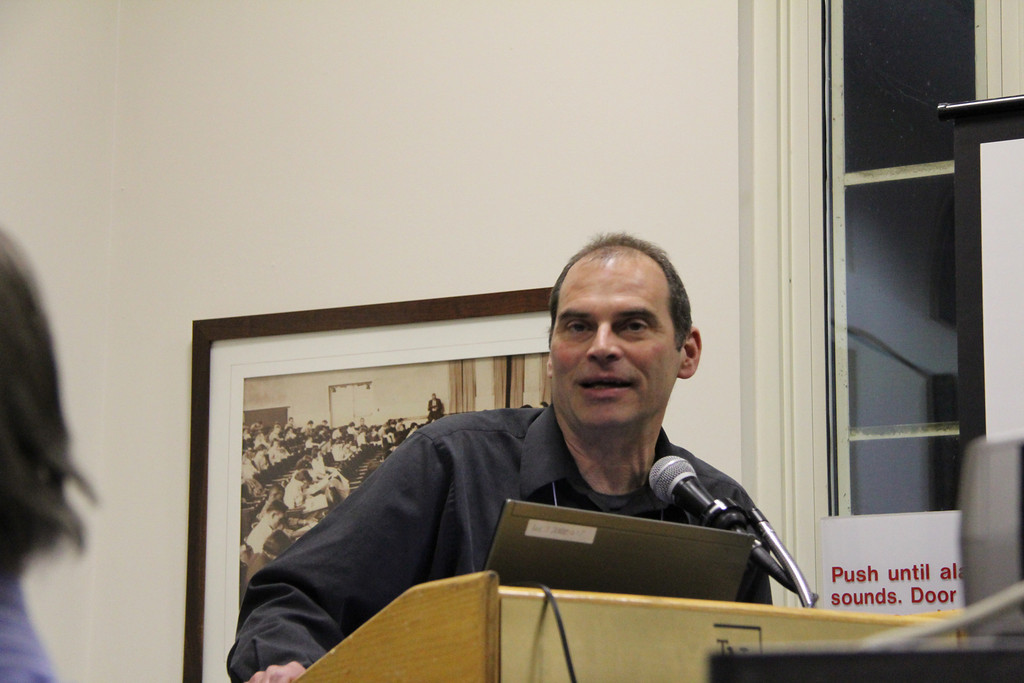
(605, 344)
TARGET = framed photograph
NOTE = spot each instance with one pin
(292, 411)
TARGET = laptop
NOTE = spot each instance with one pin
(601, 552)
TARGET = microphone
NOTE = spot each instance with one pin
(674, 481)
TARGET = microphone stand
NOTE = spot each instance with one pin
(803, 590)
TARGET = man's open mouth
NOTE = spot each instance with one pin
(604, 384)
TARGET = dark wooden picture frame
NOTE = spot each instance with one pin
(206, 333)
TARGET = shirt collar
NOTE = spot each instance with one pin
(546, 458)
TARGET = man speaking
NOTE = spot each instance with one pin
(621, 334)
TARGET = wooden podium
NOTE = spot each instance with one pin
(469, 628)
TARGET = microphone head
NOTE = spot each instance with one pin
(666, 473)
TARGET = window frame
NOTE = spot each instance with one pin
(844, 435)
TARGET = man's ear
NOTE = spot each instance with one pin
(690, 355)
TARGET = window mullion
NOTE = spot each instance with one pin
(841, 503)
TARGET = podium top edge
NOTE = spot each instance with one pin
(997, 105)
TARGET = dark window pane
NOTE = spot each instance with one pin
(900, 293)
(901, 60)
(904, 475)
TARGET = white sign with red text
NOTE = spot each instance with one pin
(904, 563)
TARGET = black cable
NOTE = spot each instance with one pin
(558, 621)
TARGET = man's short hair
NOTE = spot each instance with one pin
(610, 244)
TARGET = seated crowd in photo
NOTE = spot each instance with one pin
(292, 475)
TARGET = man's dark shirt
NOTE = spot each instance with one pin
(429, 512)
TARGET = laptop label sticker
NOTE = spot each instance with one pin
(560, 531)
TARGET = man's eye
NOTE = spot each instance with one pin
(575, 327)
(636, 325)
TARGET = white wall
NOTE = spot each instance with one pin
(170, 161)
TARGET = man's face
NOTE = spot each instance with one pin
(613, 360)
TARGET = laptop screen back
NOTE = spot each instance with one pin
(595, 551)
